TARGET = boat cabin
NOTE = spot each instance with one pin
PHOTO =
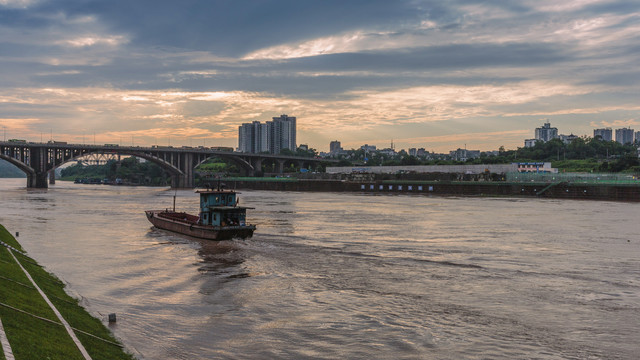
(220, 208)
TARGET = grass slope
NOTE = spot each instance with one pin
(33, 338)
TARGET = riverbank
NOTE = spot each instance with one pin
(31, 327)
(560, 190)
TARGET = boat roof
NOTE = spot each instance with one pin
(216, 191)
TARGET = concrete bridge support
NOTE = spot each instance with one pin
(300, 164)
(184, 179)
(37, 180)
(257, 167)
(38, 159)
(52, 177)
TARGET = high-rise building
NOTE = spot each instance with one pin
(283, 134)
(637, 137)
(272, 136)
(335, 147)
(605, 134)
(253, 137)
(546, 132)
(245, 138)
(624, 136)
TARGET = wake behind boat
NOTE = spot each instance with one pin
(220, 217)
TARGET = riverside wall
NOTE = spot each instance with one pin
(564, 190)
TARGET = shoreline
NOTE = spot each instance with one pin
(555, 190)
(40, 320)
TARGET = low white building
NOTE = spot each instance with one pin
(536, 167)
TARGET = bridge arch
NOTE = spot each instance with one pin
(28, 170)
(244, 165)
(173, 171)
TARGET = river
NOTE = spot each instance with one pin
(358, 276)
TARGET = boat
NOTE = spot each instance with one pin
(220, 217)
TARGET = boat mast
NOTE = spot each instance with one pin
(174, 200)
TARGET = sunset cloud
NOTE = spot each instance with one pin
(370, 71)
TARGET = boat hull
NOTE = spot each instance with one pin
(168, 220)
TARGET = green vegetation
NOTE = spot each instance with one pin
(33, 338)
(217, 166)
(588, 165)
(583, 154)
(299, 152)
(131, 170)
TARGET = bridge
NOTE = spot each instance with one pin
(39, 160)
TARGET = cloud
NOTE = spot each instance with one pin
(233, 28)
(618, 123)
(372, 69)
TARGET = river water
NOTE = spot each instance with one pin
(333, 276)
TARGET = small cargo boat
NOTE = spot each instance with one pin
(220, 217)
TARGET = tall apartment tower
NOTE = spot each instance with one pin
(624, 136)
(245, 138)
(335, 147)
(605, 134)
(272, 136)
(546, 132)
(283, 133)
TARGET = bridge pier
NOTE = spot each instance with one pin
(182, 181)
(52, 177)
(37, 180)
(38, 159)
(185, 179)
(257, 168)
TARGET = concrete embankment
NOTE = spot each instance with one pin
(562, 190)
(39, 319)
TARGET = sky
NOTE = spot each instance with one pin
(430, 74)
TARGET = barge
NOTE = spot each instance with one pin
(220, 217)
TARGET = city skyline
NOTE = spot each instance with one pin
(423, 73)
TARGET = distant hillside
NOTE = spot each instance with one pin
(7, 170)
